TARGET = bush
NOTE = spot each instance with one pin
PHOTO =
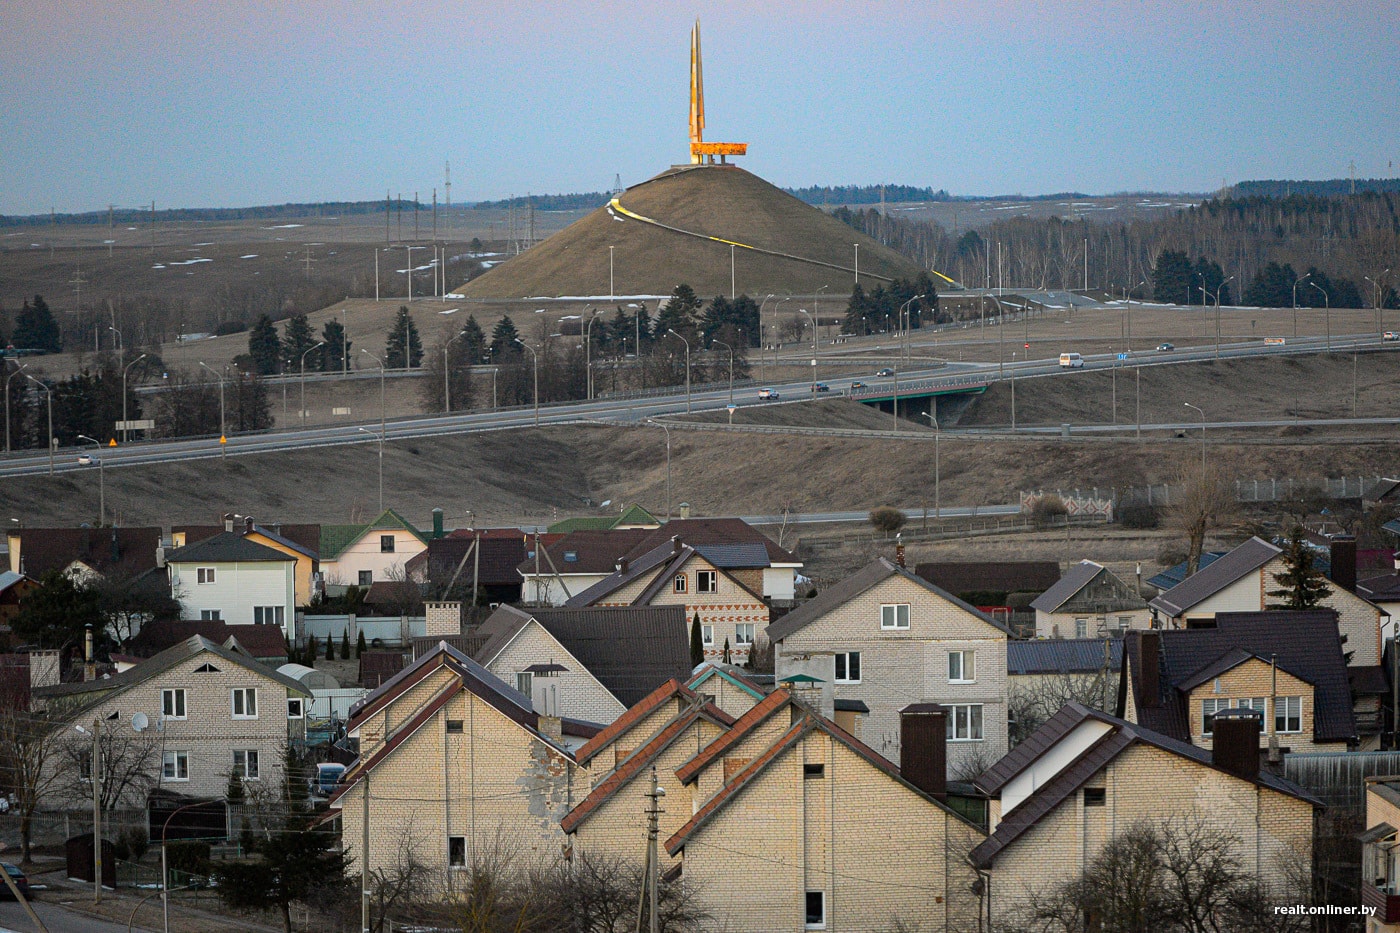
(188, 855)
(1047, 509)
(887, 519)
(1138, 515)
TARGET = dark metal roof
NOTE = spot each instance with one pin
(1009, 576)
(594, 551)
(378, 666)
(1306, 644)
(1061, 656)
(698, 531)
(226, 547)
(499, 556)
(1173, 575)
(728, 556)
(842, 592)
(1074, 580)
(261, 641)
(129, 551)
(636, 567)
(1384, 589)
(851, 706)
(1203, 584)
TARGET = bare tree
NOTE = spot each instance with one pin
(127, 767)
(1032, 701)
(29, 749)
(1206, 503)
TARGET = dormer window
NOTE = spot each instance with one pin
(571, 557)
(678, 584)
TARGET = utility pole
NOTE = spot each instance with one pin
(646, 905)
(364, 859)
(96, 810)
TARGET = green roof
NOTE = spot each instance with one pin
(801, 679)
(336, 538)
(632, 515)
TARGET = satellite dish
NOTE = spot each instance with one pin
(140, 722)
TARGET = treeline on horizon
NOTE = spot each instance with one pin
(1332, 187)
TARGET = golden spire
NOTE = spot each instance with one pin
(699, 149)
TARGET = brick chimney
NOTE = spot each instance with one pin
(622, 565)
(923, 748)
(552, 727)
(1236, 744)
(898, 551)
(247, 524)
(1149, 664)
(1343, 556)
(228, 521)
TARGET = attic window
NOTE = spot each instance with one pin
(454, 725)
(206, 668)
(571, 557)
(1095, 796)
(814, 770)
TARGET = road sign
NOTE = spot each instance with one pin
(1122, 356)
(145, 424)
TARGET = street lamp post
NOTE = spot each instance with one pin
(536, 357)
(1296, 283)
(1218, 289)
(101, 481)
(1203, 439)
(381, 465)
(223, 429)
(1328, 300)
(409, 270)
(672, 330)
(813, 321)
(49, 391)
(612, 290)
(125, 369)
(731, 368)
(7, 405)
(1001, 337)
(119, 339)
(381, 394)
(318, 345)
(663, 426)
(937, 433)
(761, 342)
(588, 349)
(904, 323)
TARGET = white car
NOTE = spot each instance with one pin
(768, 393)
(1390, 335)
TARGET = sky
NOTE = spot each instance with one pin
(225, 103)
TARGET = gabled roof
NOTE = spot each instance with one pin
(1380, 589)
(162, 662)
(630, 650)
(127, 551)
(1074, 580)
(1228, 661)
(774, 703)
(260, 641)
(1061, 656)
(632, 515)
(1307, 644)
(718, 531)
(1121, 736)
(652, 560)
(664, 578)
(709, 669)
(9, 578)
(1392, 526)
(1001, 576)
(1173, 575)
(731, 556)
(876, 572)
(670, 690)
(336, 538)
(1203, 584)
(495, 561)
(290, 543)
(227, 547)
(304, 539)
(594, 551)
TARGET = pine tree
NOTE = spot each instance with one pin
(403, 349)
(345, 644)
(1301, 585)
(473, 341)
(681, 313)
(336, 347)
(856, 312)
(36, 329)
(297, 339)
(360, 644)
(725, 652)
(697, 643)
(264, 346)
(504, 338)
(330, 648)
(309, 659)
(1171, 278)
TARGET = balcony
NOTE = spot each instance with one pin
(1382, 901)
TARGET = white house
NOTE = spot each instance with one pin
(234, 580)
(362, 555)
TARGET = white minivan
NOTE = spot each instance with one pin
(1071, 360)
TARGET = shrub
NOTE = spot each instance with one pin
(887, 519)
(1138, 515)
(1047, 509)
(188, 855)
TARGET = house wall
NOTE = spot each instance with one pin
(545, 589)
(1255, 679)
(733, 700)
(1063, 624)
(373, 730)
(785, 834)
(779, 583)
(1379, 810)
(209, 733)
(1272, 832)
(237, 588)
(578, 692)
(1244, 595)
(903, 667)
(305, 566)
(642, 732)
(495, 783)
(760, 738)
(365, 554)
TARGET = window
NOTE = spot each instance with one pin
(848, 667)
(1212, 706)
(811, 771)
(204, 575)
(895, 616)
(295, 710)
(743, 633)
(1081, 628)
(176, 766)
(525, 682)
(245, 703)
(1288, 714)
(456, 851)
(269, 615)
(245, 764)
(816, 910)
(1095, 796)
(211, 615)
(678, 584)
(206, 669)
(706, 581)
(962, 667)
(1125, 623)
(707, 635)
(965, 722)
(172, 703)
(386, 544)
(366, 578)
(454, 726)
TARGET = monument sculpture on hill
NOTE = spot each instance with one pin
(700, 150)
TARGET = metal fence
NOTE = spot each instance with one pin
(1246, 490)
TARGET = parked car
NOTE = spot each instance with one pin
(857, 384)
(823, 387)
(18, 877)
(1071, 360)
(885, 372)
(328, 774)
(1390, 335)
(768, 393)
(1165, 347)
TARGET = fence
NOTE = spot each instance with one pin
(1338, 779)
(1246, 490)
(387, 632)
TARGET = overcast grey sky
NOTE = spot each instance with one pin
(236, 102)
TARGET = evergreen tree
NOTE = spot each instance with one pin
(345, 644)
(504, 339)
(295, 788)
(298, 861)
(330, 648)
(642, 324)
(403, 349)
(857, 313)
(360, 644)
(1273, 288)
(681, 312)
(473, 341)
(1301, 585)
(309, 658)
(927, 306)
(724, 653)
(697, 643)
(36, 329)
(1171, 278)
(332, 355)
(739, 317)
(264, 346)
(298, 338)
(247, 404)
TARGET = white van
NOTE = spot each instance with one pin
(1071, 360)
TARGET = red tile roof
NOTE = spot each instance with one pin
(773, 703)
(671, 689)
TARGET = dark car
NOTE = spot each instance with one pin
(18, 877)
(823, 387)
(885, 372)
(1165, 347)
(857, 385)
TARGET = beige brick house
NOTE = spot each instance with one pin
(194, 713)
(454, 765)
(1380, 854)
(726, 687)
(886, 638)
(1059, 797)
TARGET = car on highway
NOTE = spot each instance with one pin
(857, 385)
(1390, 335)
(85, 459)
(20, 879)
(1071, 360)
(1165, 347)
(822, 387)
(768, 393)
(885, 372)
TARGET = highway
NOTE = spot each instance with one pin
(710, 397)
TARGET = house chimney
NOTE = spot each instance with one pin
(898, 551)
(675, 544)
(1149, 660)
(685, 510)
(89, 666)
(923, 748)
(247, 524)
(117, 551)
(437, 523)
(552, 727)
(1395, 561)
(1344, 561)
(228, 521)
(1236, 745)
(622, 565)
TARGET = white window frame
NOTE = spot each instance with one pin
(1081, 628)
(700, 578)
(525, 682)
(707, 635)
(245, 693)
(173, 703)
(175, 766)
(204, 576)
(966, 661)
(841, 667)
(1258, 704)
(890, 621)
(679, 583)
(211, 615)
(261, 613)
(1297, 711)
(247, 764)
(964, 711)
(814, 924)
(296, 708)
(740, 630)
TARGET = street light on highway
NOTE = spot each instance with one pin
(381, 390)
(588, 348)
(663, 426)
(126, 369)
(119, 339)
(1203, 439)
(101, 481)
(381, 464)
(319, 344)
(1296, 283)
(536, 357)
(49, 391)
(223, 423)
(904, 324)
(731, 368)
(672, 330)
(813, 322)
(933, 416)
(1328, 299)
(7, 405)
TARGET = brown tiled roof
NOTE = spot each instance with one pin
(976, 576)
(1205, 583)
(772, 704)
(499, 556)
(378, 666)
(468, 645)
(637, 567)
(671, 689)
(702, 531)
(125, 551)
(261, 641)
(595, 551)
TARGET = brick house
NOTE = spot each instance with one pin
(1380, 854)
(453, 763)
(1060, 796)
(205, 710)
(726, 687)
(84, 553)
(1089, 601)
(887, 638)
